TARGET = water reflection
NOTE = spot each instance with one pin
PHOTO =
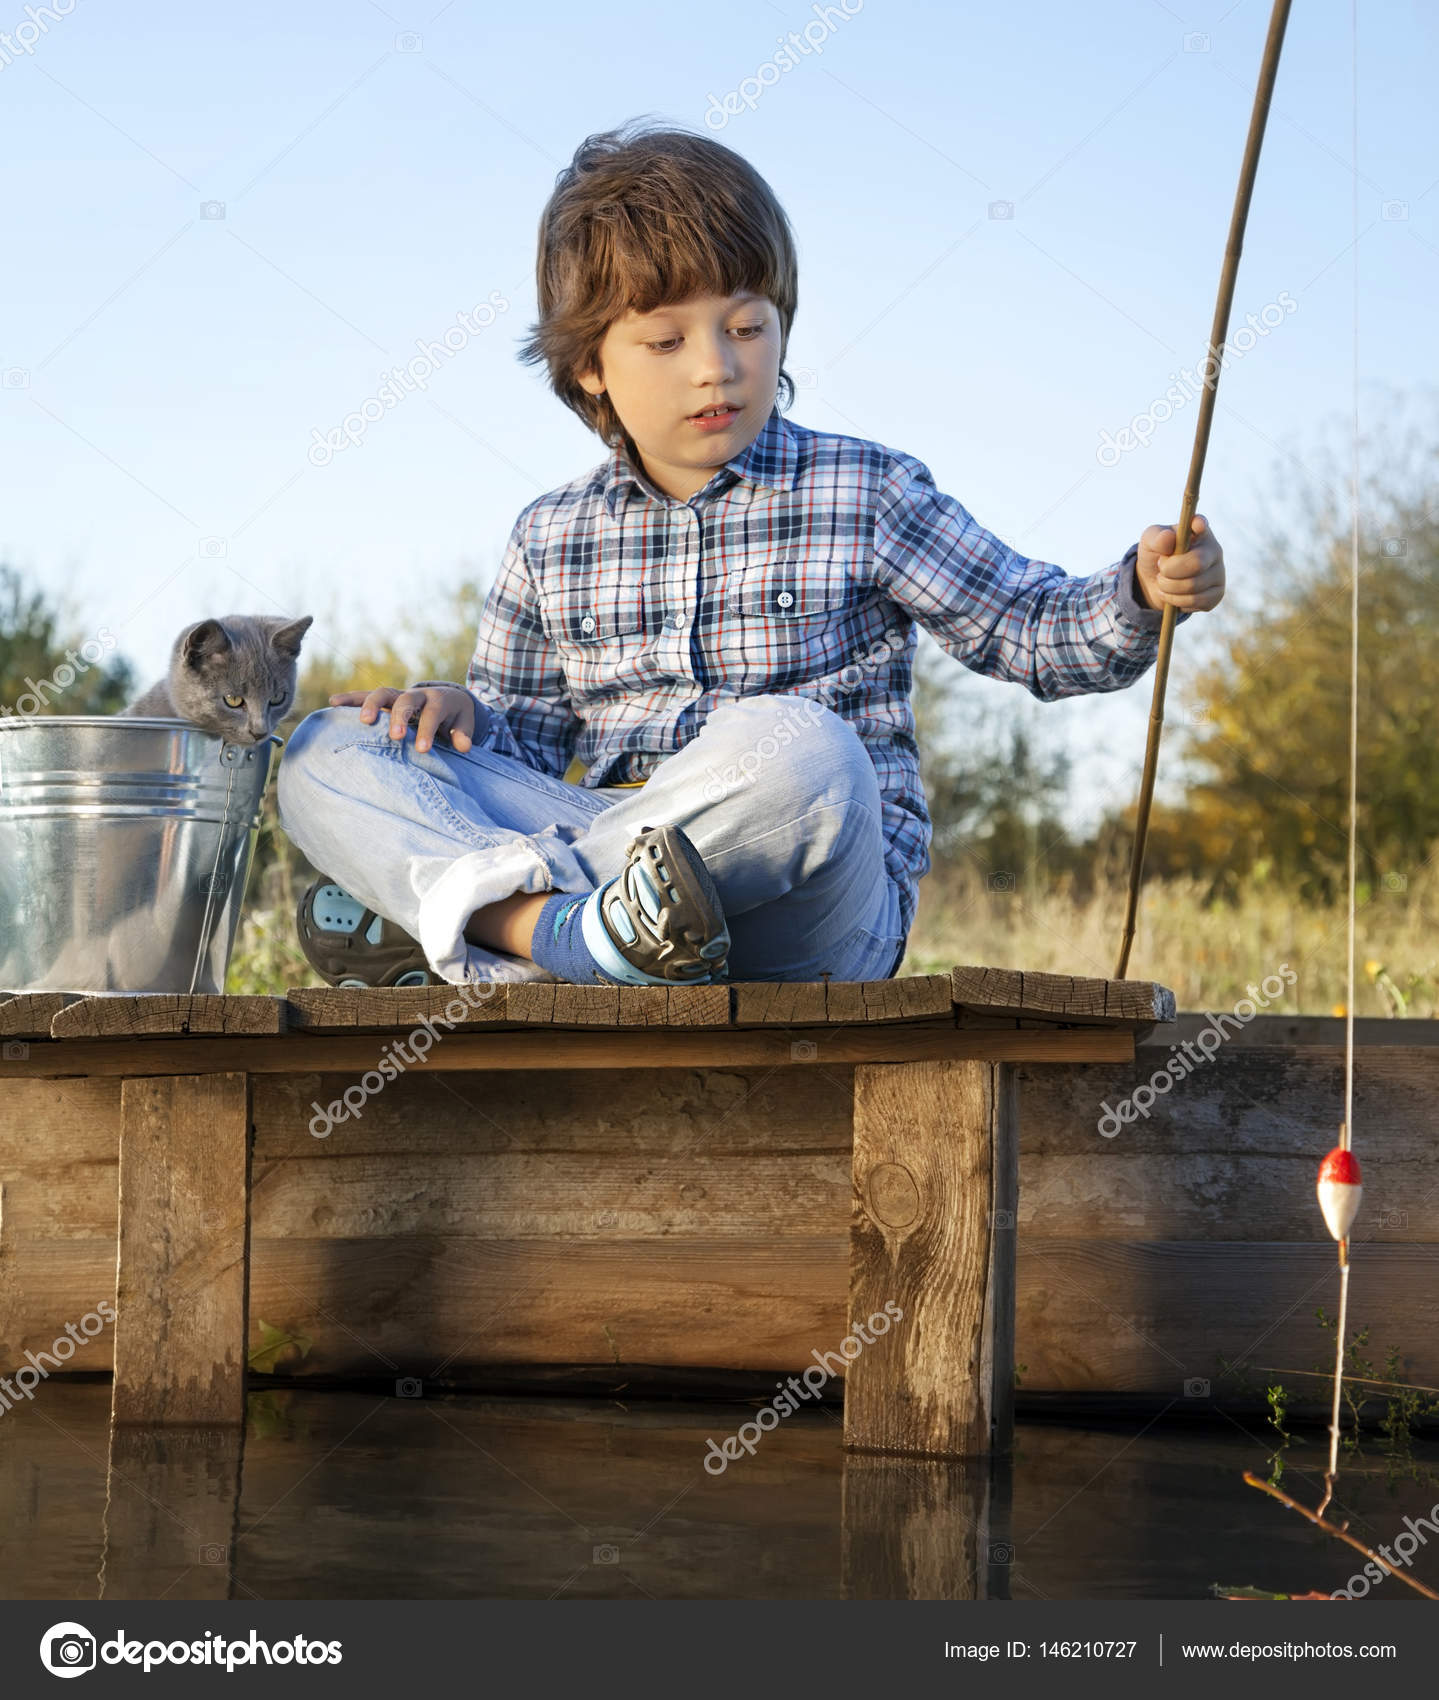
(336, 1495)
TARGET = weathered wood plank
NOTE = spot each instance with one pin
(778, 1003)
(1093, 1317)
(433, 1307)
(629, 1112)
(1260, 1101)
(680, 1048)
(749, 1196)
(1304, 1030)
(141, 1016)
(556, 1004)
(28, 1015)
(698, 1006)
(1061, 997)
(385, 1009)
(914, 997)
(659, 1113)
(181, 1279)
(1096, 1314)
(925, 1137)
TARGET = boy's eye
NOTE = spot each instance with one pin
(747, 333)
(234, 702)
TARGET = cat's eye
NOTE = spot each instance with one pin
(276, 701)
(234, 702)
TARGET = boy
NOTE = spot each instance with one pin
(712, 631)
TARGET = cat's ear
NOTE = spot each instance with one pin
(208, 638)
(286, 639)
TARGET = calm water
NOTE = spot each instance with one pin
(339, 1495)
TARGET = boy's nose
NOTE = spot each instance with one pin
(714, 361)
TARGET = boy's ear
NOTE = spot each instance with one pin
(591, 382)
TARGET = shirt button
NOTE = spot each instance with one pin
(785, 599)
(588, 623)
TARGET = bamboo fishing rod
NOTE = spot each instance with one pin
(1268, 70)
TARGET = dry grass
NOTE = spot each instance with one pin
(1208, 956)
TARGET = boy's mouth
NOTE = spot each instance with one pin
(714, 418)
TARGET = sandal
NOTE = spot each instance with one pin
(350, 945)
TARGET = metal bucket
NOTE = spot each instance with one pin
(125, 845)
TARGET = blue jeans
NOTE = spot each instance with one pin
(777, 793)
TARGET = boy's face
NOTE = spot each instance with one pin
(663, 368)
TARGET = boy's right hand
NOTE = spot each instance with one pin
(441, 709)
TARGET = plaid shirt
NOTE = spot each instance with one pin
(622, 617)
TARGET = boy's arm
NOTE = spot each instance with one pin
(999, 612)
(514, 674)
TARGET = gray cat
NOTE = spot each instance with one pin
(234, 677)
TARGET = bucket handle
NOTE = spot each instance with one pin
(231, 756)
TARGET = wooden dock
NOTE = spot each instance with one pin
(587, 1184)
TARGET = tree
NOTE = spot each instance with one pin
(36, 676)
(1269, 741)
(996, 797)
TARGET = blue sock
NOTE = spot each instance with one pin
(559, 941)
(573, 943)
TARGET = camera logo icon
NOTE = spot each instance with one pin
(1394, 209)
(1000, 882)
(214, 548)
(1395, 547)
(409, 1387)
(1001, 1552)
(1196, 1388)
(606, 1555)
(212, 209)
(16, 1050)
(1001, 209)
(803, 1050)
(67, 1649)
(1196, 42)
(408, 42)
(999, 1219)
(213, 1554)
(17, 378)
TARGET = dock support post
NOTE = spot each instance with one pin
(932, 1236)
(181, 1288)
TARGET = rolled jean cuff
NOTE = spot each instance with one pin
(472, 882)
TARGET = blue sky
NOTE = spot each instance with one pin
(380, 168)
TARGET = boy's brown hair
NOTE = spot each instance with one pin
(641, 218)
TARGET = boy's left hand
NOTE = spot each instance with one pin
(1194, 579)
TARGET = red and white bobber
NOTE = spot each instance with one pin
(1340, 1190)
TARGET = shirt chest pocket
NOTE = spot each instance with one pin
(786, 620)
(791, 593)
(584, 615)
